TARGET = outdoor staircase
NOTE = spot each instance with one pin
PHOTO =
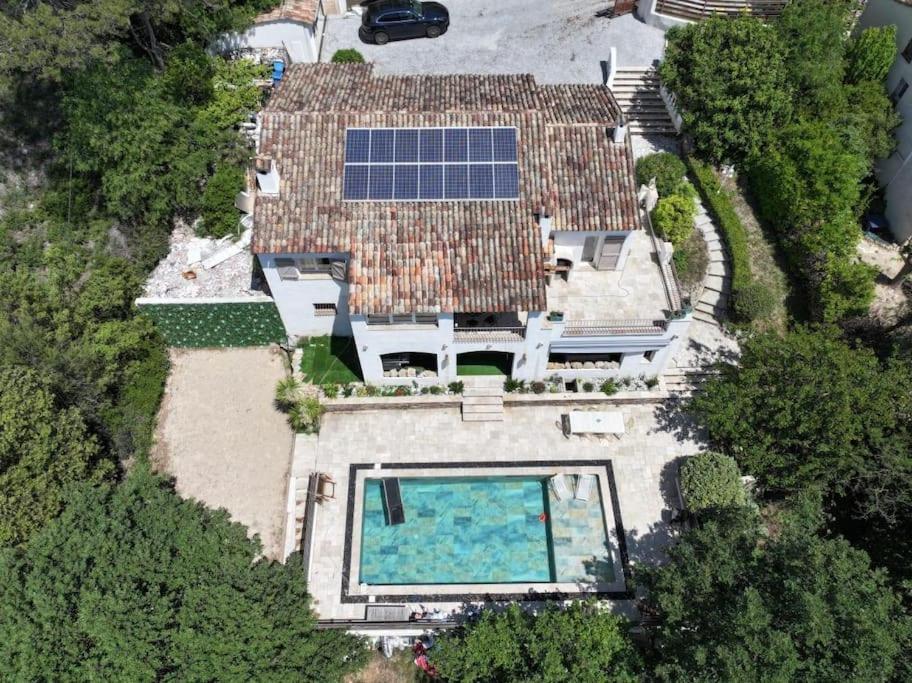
(483, 402)
(686, 381)
(712, 306)
(636, 89)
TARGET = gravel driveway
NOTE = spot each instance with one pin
(558, 42)
(222, 440)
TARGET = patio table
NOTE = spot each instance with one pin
(597, 422)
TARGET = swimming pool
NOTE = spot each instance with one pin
(466, 530)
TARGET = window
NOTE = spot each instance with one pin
(324, 310)
(392, 18)
(286, 269)
(425, 318)
(907, 51)
(649, 356)
(293, 269)
(899, 91)
(403, 319)
(315, 264)
(378, 320)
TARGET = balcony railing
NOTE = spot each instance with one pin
(610, 328)
(488, 334)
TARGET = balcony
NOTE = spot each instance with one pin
(614, 327)
(474, 328)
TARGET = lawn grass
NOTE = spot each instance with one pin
(330, 360)
(483, 363)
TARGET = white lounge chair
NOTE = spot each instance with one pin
(583, 486)
(559, 486)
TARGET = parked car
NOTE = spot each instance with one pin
(387, 20)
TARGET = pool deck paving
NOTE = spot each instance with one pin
(643, 461)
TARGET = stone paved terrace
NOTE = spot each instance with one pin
(637, 291)
(643, 461)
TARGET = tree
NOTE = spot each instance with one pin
(674, 216)
(730, 80)
(792, 607)
(871, 55)
(667, 169)
(133, 583)
(43, 451)
(813, 33)
(712, 480)
(808, 411)
(583, 643)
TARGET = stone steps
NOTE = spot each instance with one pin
(482, 403)
(636, 89)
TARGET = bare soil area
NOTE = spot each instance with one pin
(221, 438)
(890, 303)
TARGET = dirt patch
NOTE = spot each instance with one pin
(890, 303)
(398, 669)
(222, 439)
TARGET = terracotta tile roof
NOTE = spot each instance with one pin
(304, 11)
(448, 255)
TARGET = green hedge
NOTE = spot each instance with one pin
(733, 231)
(254, 323)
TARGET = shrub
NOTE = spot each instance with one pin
(870, 56)
(752, 302)
(666, 168)
(304, 416)
(712, 480)
(651, 382)
(219, 214)
(691, 260)
(347, 56)
(674, 217)
(608, 387)
(720, 206)
(847, 289)
(401, 391)
(456, 387)
(538, 387)
(287, 393)
(513, 385)
(331, 390)
(588, 387)
(368, 390)
(435, 389)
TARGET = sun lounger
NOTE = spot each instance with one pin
(392, 498)
(559, 486)
(584, 484)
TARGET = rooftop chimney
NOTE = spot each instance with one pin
(266, 174)
(544, 223)
(620, 130)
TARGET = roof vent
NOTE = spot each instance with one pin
(544, 223)
(267, 175)
(620, 130)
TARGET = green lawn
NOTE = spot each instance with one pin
(330, 360)
(483, 363)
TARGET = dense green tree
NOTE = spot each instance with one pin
(43, 451)
(868, 120)
(871, 54)
(220, 217)
(733, 605)
(813, 33)
(807, 410)
(50, 39)
(133, 583)
(583, 642)
(712, 480)
(730, 79)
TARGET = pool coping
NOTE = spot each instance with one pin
(530, 596)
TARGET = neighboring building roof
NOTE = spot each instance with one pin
(441, 255)
(304, 11)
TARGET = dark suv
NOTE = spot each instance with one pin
(387, 20)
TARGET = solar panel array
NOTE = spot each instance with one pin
(430, 164)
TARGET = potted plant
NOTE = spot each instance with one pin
(556, 316)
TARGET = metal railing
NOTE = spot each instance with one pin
(488, 334)
(701, 9)
(610, 328)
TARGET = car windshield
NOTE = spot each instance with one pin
(416, 7)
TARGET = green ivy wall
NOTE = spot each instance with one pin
(199, 325)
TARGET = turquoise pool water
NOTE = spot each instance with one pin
(482, 530)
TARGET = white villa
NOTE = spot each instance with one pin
(442, 220)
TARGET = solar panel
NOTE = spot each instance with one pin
(381, 182)
(480, 148)
(456, 144)
(481, 181)
(431, 164)
(357, 146)
(504, 144)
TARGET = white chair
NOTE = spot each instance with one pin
(559, 486)
(583, 486)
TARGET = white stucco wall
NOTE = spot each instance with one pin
(646, 10)
(295, 37)
(295, 299)
(569, 245)
(895, 172)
